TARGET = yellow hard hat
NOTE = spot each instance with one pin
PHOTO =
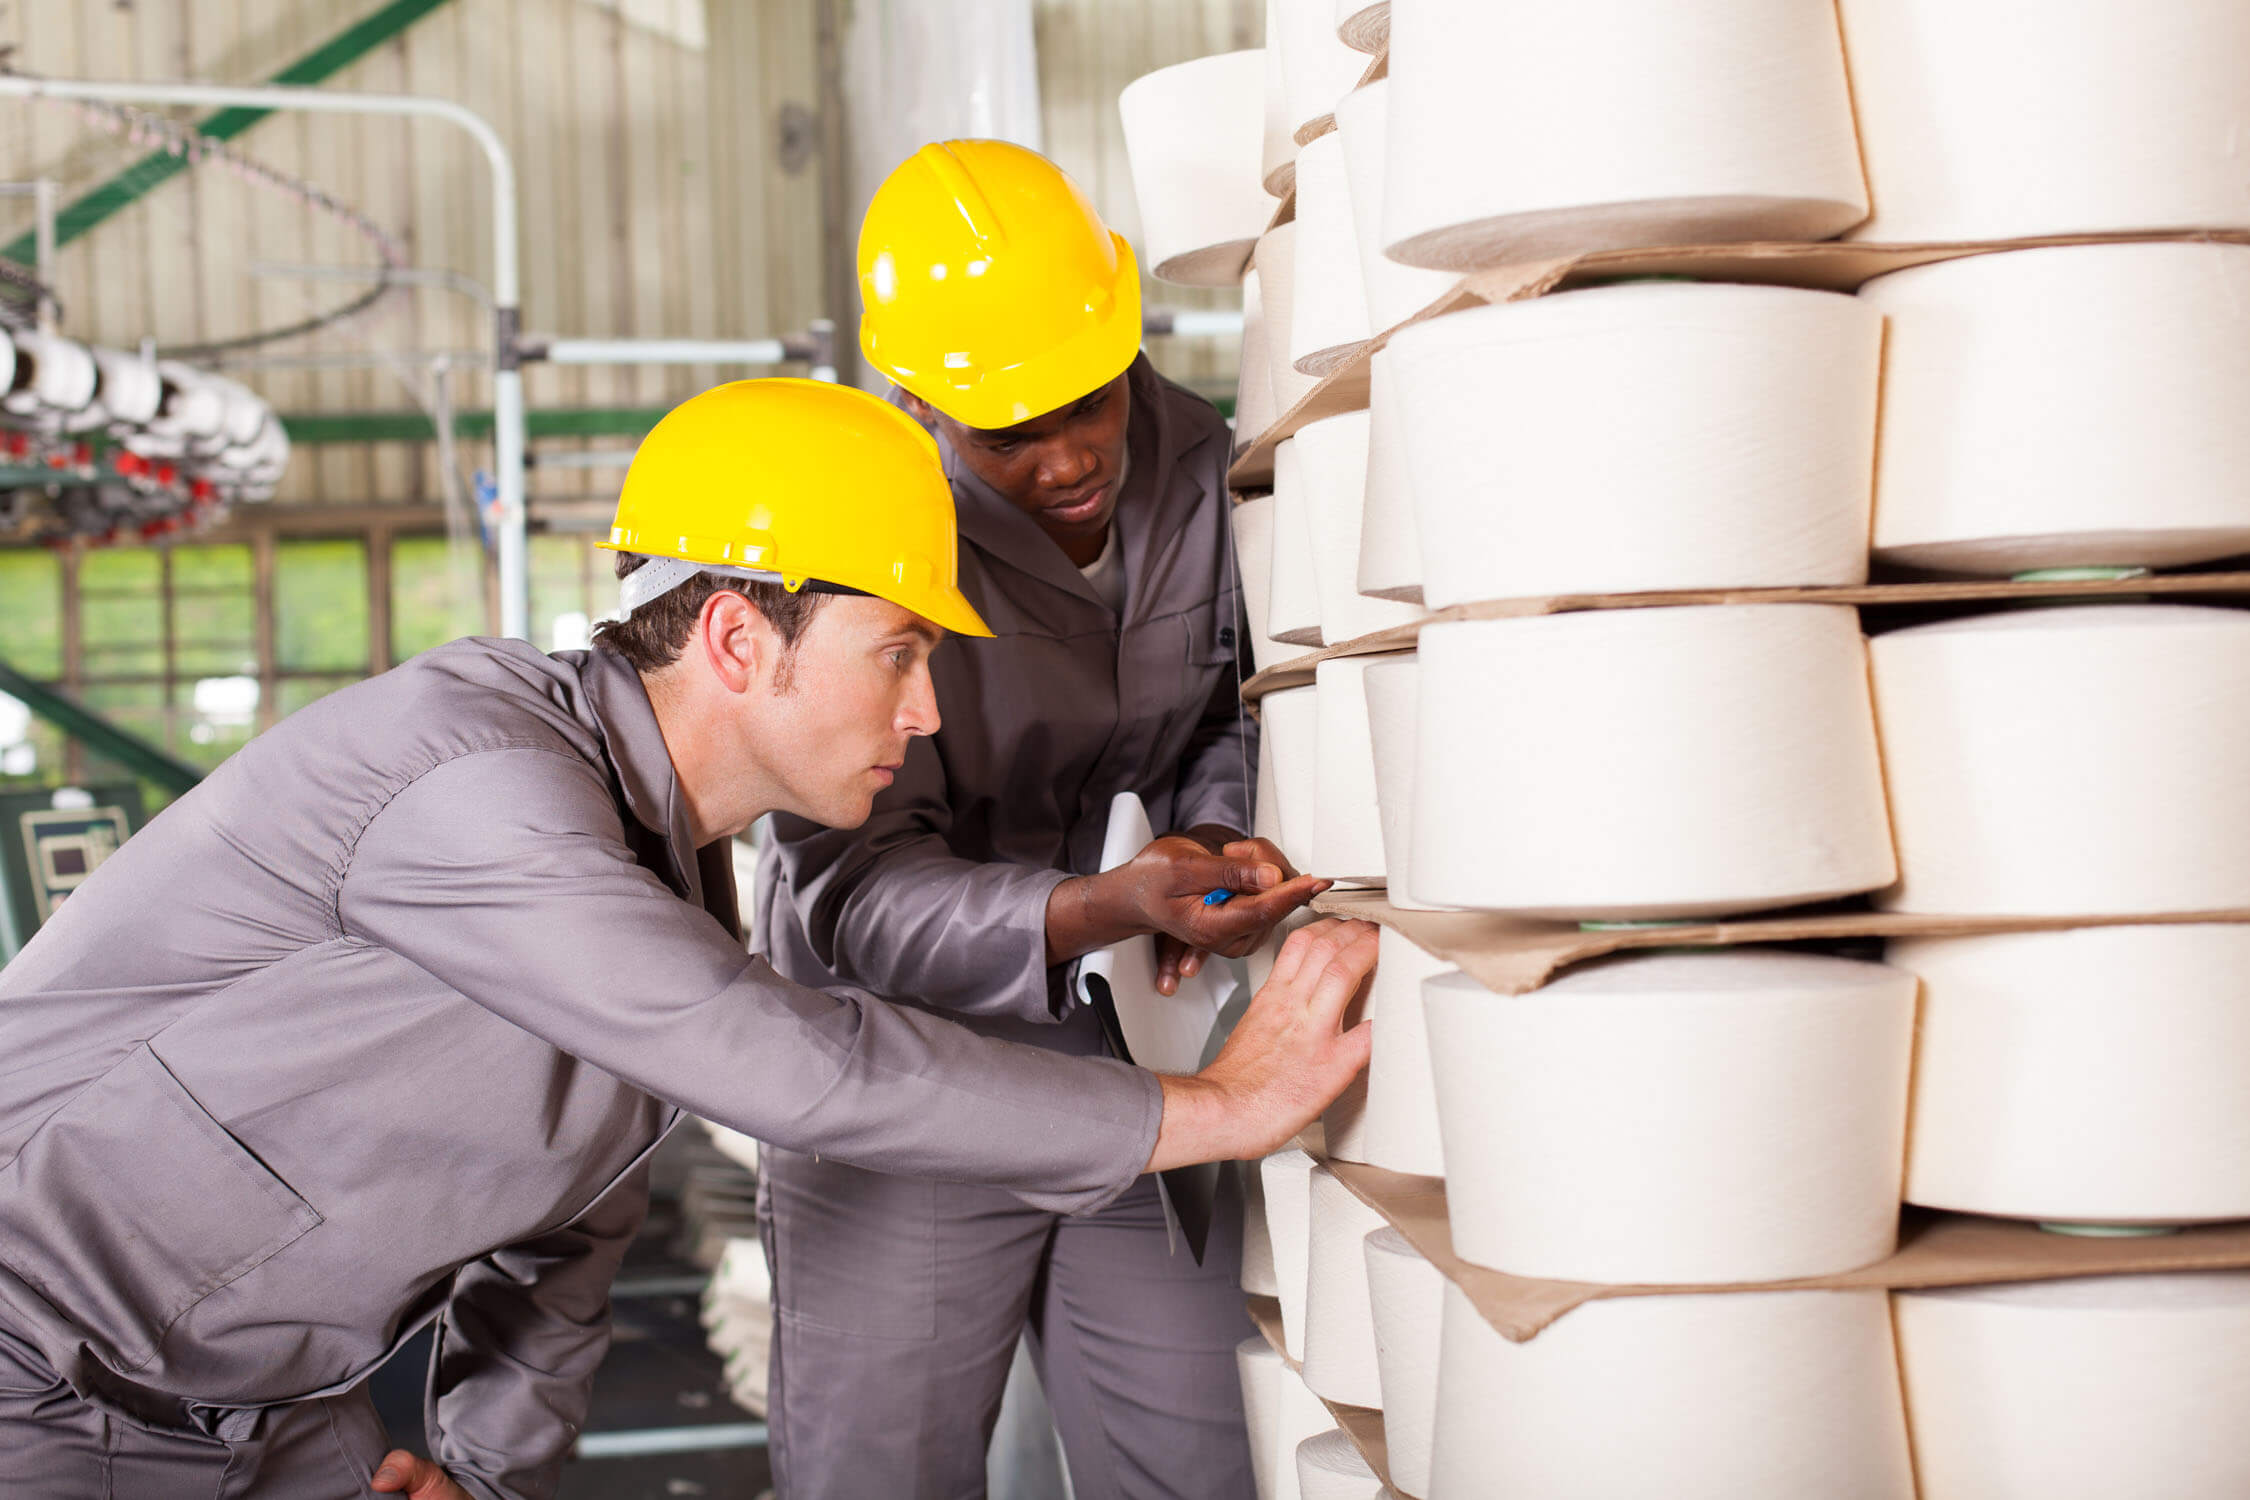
(992, 289)
(796, 482)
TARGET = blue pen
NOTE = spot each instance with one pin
(1218, 897)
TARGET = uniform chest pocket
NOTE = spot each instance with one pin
(1213, 631)
(131, 1205)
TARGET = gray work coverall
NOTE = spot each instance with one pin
(379, 1025)
(899, 1300)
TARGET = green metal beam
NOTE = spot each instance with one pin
(411, 426)
(144, 176)
(143, 759)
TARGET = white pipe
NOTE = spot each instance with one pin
(1194, 322)
(665, 352)
(507, 382)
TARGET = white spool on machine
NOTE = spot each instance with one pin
(1648, 763)
(1275, 260)
(2077, 760)
(1330, 469)
(1340, 1359)
(1522, 129)
(1289, 743)
(1993, 119)
(1329, 320)
(2085, 1389)
(1393, 688)
(1259, 1278)
(1390, 544)
(2068, 407)
(2091, 1077)
(1287, 1180)
(1641, 437)
(1253, 554)
(1390, 1118)
(1330, 1467)
(1293, 582)
(1347, 844)
(1676, 1119)
(1731, 1396)
(1393, 292)
(1280, 1413)
(1406, 1295)
(1254, 410)
(1194, 138)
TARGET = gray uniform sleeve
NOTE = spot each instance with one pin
(504, 873)
(890, 906)
(517, 1348)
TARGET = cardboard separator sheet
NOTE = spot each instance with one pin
(1298, 671)
(1515, 955)
(1934, 1250)
(1361, 1424)
(1319, 125)
(1369, 31)
(1829, 265)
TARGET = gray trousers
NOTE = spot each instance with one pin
(898, 1305)
(55, 1446)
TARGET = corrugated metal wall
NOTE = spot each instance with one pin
(649, 142)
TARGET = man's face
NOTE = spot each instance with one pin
(832, 721)
(1061, 469)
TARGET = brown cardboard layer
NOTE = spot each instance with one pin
(1299, 670)
(1362, 1425)
(1514, 955)
(1827, 265)
(1934, 1250)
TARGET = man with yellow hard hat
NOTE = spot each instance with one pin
(379, 1025)
(1095, 540)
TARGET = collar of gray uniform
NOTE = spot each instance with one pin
(634, 742)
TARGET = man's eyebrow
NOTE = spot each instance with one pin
(922, 630)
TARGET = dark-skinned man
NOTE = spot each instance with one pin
(1094, 533)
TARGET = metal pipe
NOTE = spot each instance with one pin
(43, 241)
(660, 351)
(1192, 322)
(592, 458)
(507, 380)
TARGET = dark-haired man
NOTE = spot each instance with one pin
(378, 1025)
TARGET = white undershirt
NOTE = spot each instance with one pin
(1107, 572)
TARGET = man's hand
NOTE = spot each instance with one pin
(1287, 1059)
(1161, 890)
(401, 1473)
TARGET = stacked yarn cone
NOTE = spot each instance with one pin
(1567, 745)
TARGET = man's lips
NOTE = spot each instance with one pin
(1078, 510)
(889, 773)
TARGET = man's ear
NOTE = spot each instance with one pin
(737, 642)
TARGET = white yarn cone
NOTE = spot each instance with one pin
(1629, 438)
(1407, 1296)
(1194, 138)
(1989, 119)
(1391, 1119)
(1317, 68)
(1339, 1321)
(1277, 155)
(1287, 1179)
(2066, 408)
(1253, 553)
(1330, 1467)
(1275, 259)
(2095, 1076)
(1676, 1119)
(1281, 1413)
(1390, 544)
(1347, 831)
(2070, 760)
(2080, 1390)
(1733, 1396)
(1289, 740)
(1654, 125)
(1293, 588)
(1254, 410)
(1394, 292)
(1332, 466)
(1392, 686)
(1648, 763)
(1329, 320)
(1258, 1277)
